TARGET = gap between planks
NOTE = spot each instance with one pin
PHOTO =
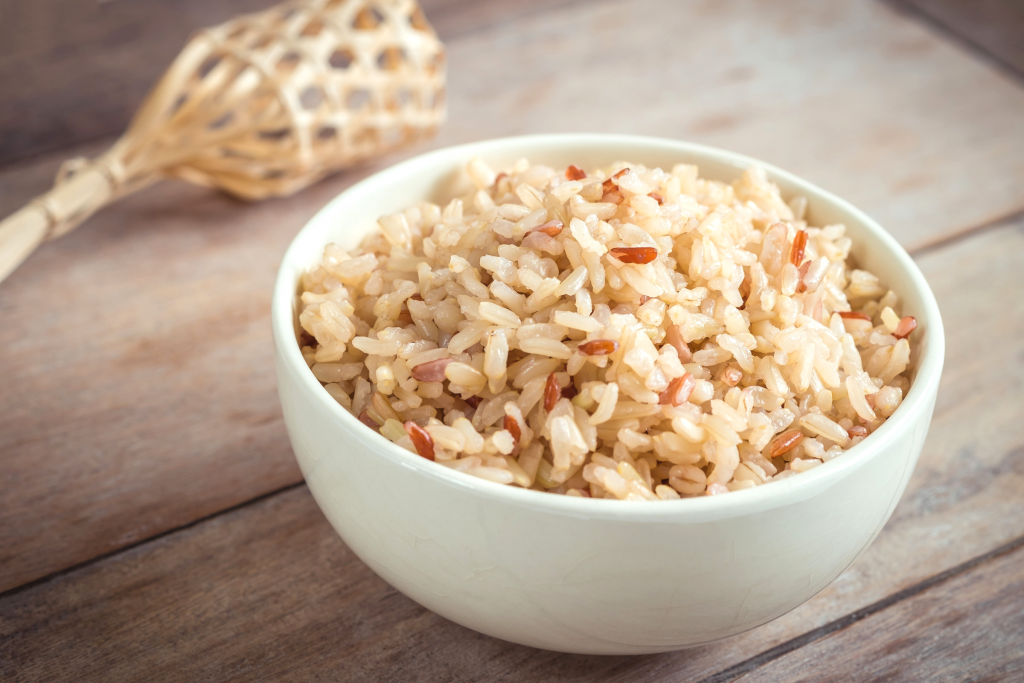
(149, 539)
(928, 248)
(768, 655)
(764, 657)
(744, 667)
(947, 240)
(947, 32)
(757, 661)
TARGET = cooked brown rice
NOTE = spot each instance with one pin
(621, 333)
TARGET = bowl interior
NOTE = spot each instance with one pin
(439, 175)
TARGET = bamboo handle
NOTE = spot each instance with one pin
(20, 234)
(81, 189)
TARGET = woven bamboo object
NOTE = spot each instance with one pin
(261, 106)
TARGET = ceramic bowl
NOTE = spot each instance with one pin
(581, 575)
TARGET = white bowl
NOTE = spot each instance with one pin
(581, 575)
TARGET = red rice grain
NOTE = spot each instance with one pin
(598, 347)
(365, 418)
(678, 391)
(796, 254)
(551, 228)
(674, 337)
(634, 254)
(512, 426)
(907, 325)
(574, 172)
(786, 442)
(422, 440)
(432, 371)
(552, 392)
(679, 319)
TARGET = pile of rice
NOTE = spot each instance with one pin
(621, 333)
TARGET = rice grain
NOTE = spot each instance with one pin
(620, 332)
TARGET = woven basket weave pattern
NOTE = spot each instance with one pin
(260, 106)
(325, 84)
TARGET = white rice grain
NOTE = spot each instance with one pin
(710, 336)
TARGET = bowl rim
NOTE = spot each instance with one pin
(919, 399)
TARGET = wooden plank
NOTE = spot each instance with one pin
(994, 27)
(970, 628)
(850, 95)
(124, 413)
(137, 427)
(138, 391)
(269, 592)
(75, 71)
(453, 19)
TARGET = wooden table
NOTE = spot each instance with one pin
(153, 523)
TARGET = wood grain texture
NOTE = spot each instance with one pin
(75, 71)
(138, 393)
(970, 628)
(269, 592)
(138, 390)
(995, 27)
(853, 96)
